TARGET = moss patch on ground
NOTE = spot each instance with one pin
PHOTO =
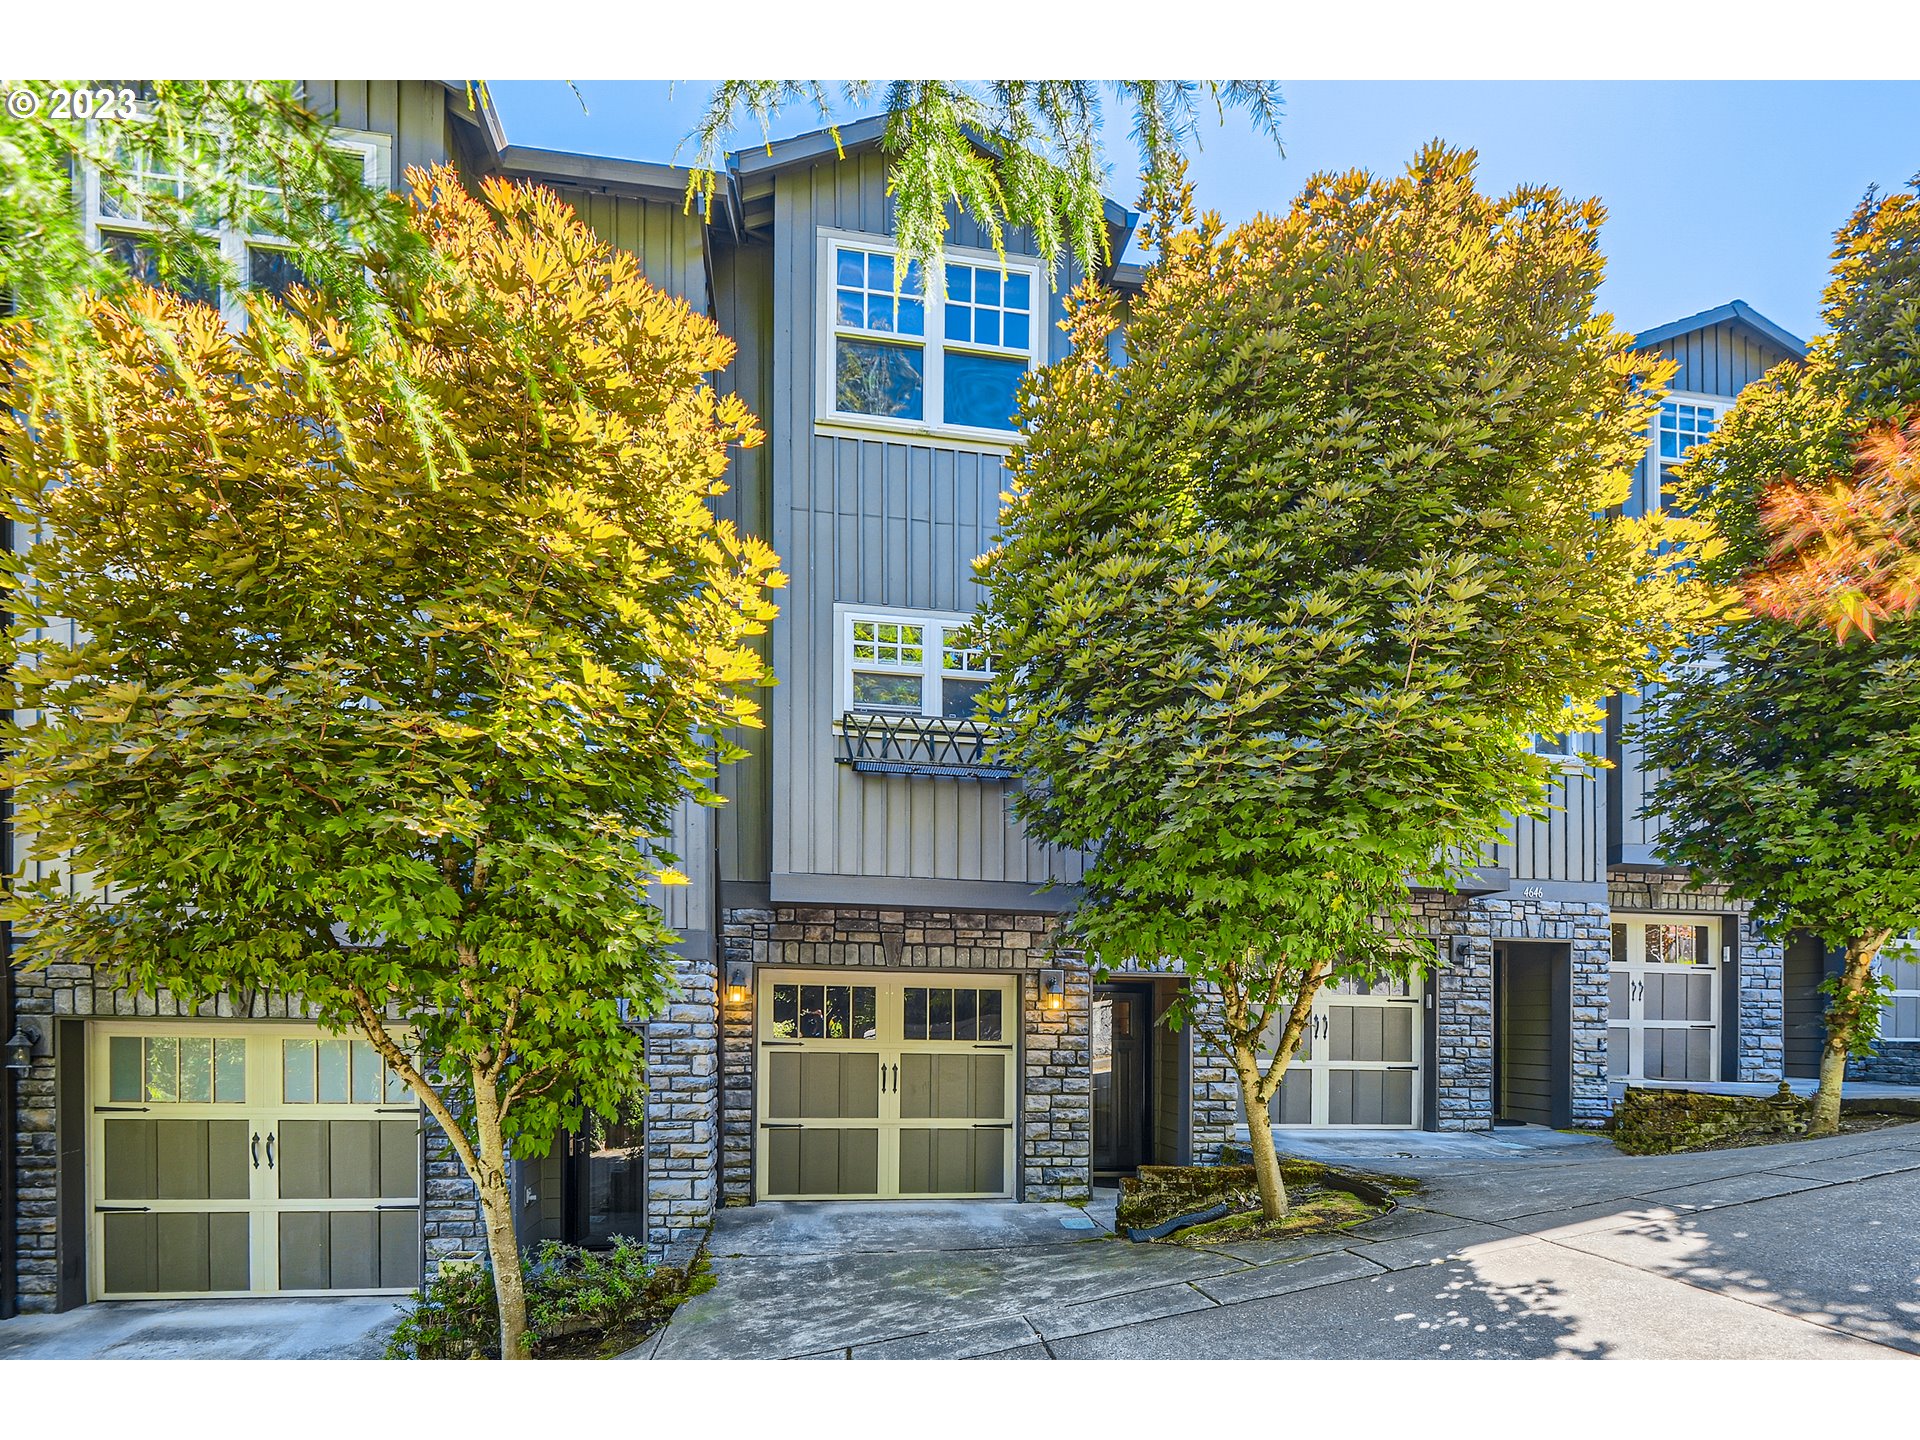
(1320, 1198)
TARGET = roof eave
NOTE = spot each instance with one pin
(1733, 312)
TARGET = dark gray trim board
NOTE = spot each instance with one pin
(906, 892)
(1639, 856)
(745, 895)
(695, 945)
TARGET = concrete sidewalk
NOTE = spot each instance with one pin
(1799, 1250)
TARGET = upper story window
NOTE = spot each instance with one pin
(898, 356)
(1685, 421)
(908, 662)
(119, 222)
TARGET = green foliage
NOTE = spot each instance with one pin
(1008, 153)
(576, 1300)
(393, 719)
(452, 1317)
(1284, 596)
(1786, 763)
(249, 155)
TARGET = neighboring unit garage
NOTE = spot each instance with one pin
(880, 1086)
(247, 1160)
(1664, 998)
(1360, 1062)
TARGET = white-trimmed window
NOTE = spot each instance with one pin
(1900, 1016)
(896, 355)
(909, 662)
(117, 221)
(1684, 421)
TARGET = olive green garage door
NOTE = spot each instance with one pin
(247, 1160)
(884, 1087)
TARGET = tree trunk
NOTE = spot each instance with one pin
(1266, 1160)
(496, 1211)
(1844, 1014)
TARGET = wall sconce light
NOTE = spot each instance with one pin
(21, 1047)
(1053, 989)
(739, 981)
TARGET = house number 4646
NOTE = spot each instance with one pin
(1533, 892)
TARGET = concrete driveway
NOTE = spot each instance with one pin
(349, 1328)
(1524, 1244)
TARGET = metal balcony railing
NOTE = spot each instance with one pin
(918, 745)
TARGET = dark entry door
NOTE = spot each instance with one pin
(1532, 1070)
(1122, 1027)
(1805, 1006)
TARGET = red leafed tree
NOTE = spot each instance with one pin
(1846, 554)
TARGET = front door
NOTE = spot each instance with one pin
(243, 1160)
(882, 1086)
(1663, 1018)
(1122, 1025)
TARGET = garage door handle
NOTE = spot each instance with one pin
(123, 1209)
(896, 1079)
(1006, 1046)
(269, 1150)
(256, 1149)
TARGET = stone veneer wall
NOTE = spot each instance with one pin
(683, 1114)
(1893, 1062)
(450, 1209)
(1056, 1118)
(1761, 1019)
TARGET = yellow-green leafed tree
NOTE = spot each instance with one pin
(390, 713)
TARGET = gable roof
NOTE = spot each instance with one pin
(1736, 312)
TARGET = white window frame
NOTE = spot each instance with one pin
(932, 669)
(1656, 475)
(934, 344)
(375, 153)
(1900, 952)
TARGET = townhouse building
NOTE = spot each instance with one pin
(872, 1003)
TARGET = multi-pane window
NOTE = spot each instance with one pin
(906, 664)
(1900, 1016)
(825, 1012)
(1683, 424)
(950, 358)
(122, 217)
(938, 1013)
(337, 1072)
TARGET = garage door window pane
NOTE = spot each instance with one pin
(296, 1067)
(366, 1074)
(196, 1071)
(163, 1068)
(333, 1072)
(989, 1014)
(230, 1072)
(123, 1065)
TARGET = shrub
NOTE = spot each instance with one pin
(578, 1302)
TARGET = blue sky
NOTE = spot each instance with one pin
(1715, 190)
